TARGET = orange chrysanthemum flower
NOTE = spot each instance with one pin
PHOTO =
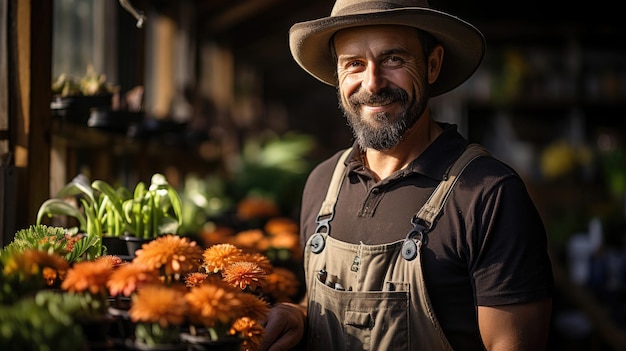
(213, 304)
(256, 207)
(286, 240)
(248, 238)
(244, 275)
(281, 285)
(212, 234)
(195, 279)
(128, 278)
(251, 331)
(31, 261)
(260, 260)
(171, 255)
(50, 275)
(219, 256)
(253, 307)
(159, 304)
(113, 260)
(89, 276)
(278, 225)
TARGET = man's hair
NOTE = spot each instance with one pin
(429, 42)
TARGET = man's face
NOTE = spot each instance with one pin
(383, 87)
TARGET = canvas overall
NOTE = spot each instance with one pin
(371, 297)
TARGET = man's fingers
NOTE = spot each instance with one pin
(284, 328)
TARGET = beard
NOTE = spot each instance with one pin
(388, 129)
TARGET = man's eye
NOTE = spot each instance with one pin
(353, 66)
(393, 61)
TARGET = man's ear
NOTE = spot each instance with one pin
(435, 59)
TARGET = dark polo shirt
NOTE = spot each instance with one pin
(488, 247)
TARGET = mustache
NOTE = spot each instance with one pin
(382, 97)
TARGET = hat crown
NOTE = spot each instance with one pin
(353, 7)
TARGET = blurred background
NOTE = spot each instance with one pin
(207, 93)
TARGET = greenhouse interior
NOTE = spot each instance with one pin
(187, 126)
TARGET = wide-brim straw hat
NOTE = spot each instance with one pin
(310, 41)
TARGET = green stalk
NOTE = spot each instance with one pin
(156, 216)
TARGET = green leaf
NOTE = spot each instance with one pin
(176, 204)
(59, 207)
(78, 186)
(82, 247)
(168, 225)
(94, 227)
(110, 193)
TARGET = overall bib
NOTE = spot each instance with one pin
(373, 297)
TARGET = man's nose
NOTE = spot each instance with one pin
(373, 79)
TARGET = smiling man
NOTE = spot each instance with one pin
(414, 239)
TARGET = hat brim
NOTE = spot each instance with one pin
(464, 45)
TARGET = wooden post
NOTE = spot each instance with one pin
(30, 48)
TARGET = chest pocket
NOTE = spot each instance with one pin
(373, 320)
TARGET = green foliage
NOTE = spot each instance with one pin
(110, 209)
(614, 164)
(45, 323)
(58, 207)
(153, 334)
(271, 167)
(52, 240)
(154, 210)
(90, 224)
(203, 198)
(275, 168)
(105, 210)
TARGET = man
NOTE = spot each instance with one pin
(392, 261)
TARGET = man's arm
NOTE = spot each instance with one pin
(515, 327)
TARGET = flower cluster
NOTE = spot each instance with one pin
(175, 285)
(171, 288)
(277, 238)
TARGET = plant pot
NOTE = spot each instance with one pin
(114, 246)
(133, 244)
(204, 343)
(124, 328)
(96, 332)
(76, 109)
(137, 345)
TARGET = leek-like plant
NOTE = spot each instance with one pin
(146, 213)
(154, 210)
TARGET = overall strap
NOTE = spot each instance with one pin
(327, 210)
(431, 209)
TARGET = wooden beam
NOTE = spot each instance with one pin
(241, 13)
(40, 96)
(30, 42)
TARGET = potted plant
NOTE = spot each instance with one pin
(99, 213)
(152, 211)
(179, 294)
(105, 212)
(35, 311)
(53, 240)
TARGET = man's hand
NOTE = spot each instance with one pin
(284, 328)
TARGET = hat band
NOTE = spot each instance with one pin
(370, 6)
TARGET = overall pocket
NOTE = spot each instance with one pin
(348, 320)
